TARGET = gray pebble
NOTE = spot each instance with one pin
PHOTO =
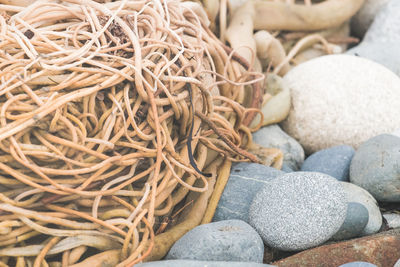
(230, 240)
(298, 210)
(376, 167)
(358, 264)
(334, 161)
(244, 182)
(397, 264)
(357, 194)
(392, 219)
(272, 136)
(193, 263)
(356, 220)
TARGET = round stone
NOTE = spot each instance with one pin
(230, 240)
(358, 264)
(341, 99)
(298, 210)
(244, 182)
(334, 161)
(376, 167)
(361, 21)
(355, 222)
(357, 194)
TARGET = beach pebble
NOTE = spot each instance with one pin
(244, 182)
(272, 136)
(358, 264)
(340, 99)
(376, 167)
(380, 43)
(357, 194)
(392, 219)
(354, 223)
(334, 161)
(193, 263)
(397, 264)
(298, 210)
(361, 21)
(230, 240)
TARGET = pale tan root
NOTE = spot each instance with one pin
(106, 258)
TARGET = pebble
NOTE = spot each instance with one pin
(381, 249)
(358, 264)
(376, 165)
(244, 182)
(230, 240)
(361, 21)
(298, 210)
(397, 264)
(272, 136)
(357, 194)
(334, 161)
(193, 263)
(392, 219)
(354, 223)
(380, 43)
(359, 91)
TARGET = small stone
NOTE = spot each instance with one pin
(230, 240)
(298, 210)
(193, 263)
(356, 220)
(334, 161)
(397, 264)
(392, 219)
(358, 264)
(380, 249)
(357, 194)
(376, 167)
(272, 136)
(361, 21)
(359, 90)
(244, 182)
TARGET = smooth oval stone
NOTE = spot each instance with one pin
(193, 263)
(354, 223)
(334, 161)
(230, 240)
(272, 136)
(357, 194)
(340, 100)
(358, 264)
(376, 167)
(298, 210)
(244, 182)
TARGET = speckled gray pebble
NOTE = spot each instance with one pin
(356, 220)
(376, 167)
(357, 194)
(192, 263)
(273, 136)
(334, 161)
(230, 240)
(298, 210)
(358, 264)
(244, 182)
(392, 219)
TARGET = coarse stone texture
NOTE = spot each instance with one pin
(357, 194)
(272, 136)
(392, 219)
(244, 182)
(334, 161)
(358, 264)
(298, 210)
(230, 240)
(361, 21)
(380, 249)
(193, 263)
(376, 167)
(380, 43)
(356, 220)
(340, 99)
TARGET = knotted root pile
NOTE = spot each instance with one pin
(110, 114)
